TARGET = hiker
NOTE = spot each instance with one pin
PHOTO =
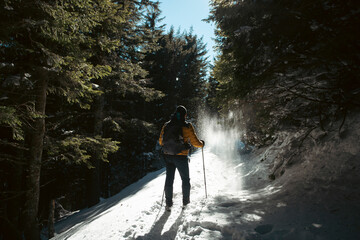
(175, 139)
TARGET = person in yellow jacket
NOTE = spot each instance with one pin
(175, 138)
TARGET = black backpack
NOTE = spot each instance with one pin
(173, 141)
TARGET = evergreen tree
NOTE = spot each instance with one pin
(92, 70)
(102, 119)
(48, 47)
(178, 70)
(287, 63)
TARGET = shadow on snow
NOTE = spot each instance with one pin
(85, 216)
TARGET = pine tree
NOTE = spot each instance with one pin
(179, 71)
(49, 46)
(129, 98)
(282, 60)
(87, 68)
(128, 78)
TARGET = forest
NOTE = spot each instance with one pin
(87, 85)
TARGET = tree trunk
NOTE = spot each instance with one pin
(37, 131)
(15, 204)
(105, 171)
(94, 175)
(51, 230)
(99, 115)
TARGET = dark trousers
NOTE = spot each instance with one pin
(180, 163)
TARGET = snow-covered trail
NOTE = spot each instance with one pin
(242, 203)
(136, 212)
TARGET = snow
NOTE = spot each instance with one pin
(242, 202)
(136, 212)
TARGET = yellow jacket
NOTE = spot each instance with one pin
(189, 135)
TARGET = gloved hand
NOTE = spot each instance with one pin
(203, 143)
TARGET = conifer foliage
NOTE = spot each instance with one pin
(178, 69)
(82, 85)
(46, 49)
(287, 63)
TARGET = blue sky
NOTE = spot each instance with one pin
(189, 13)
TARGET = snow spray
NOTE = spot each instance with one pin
(223, 139)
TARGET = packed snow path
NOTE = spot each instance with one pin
(136, 212)
(242, 204)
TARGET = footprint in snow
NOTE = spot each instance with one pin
(264, 229)
(228, 204)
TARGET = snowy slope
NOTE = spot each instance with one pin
(136, 213)
(242, 202)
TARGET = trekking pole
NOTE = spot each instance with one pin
(202, 149)
(162, 201)
(162, 198)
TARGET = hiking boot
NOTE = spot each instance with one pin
(186, 202)
(168, 208)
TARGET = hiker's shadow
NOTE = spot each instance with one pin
(155, 231)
